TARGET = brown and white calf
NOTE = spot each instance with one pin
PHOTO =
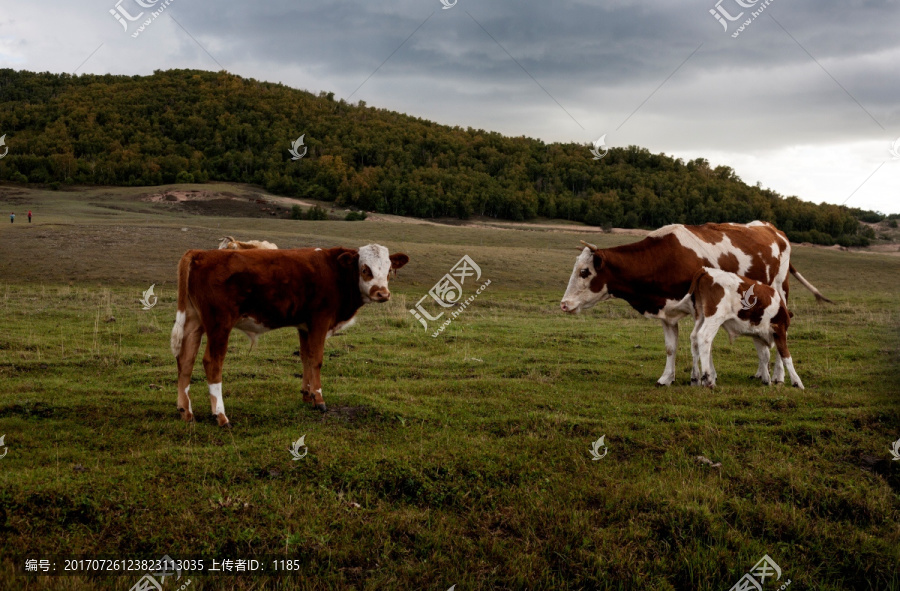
(229, 243)
(654, 274)
(315, 291)
(743, 307)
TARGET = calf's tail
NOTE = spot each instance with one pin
(184, 269)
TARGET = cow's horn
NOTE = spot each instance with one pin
(589, 245)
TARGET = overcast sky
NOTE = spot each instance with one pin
(805, 99)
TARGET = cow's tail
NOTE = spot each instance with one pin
(809, 286)
(184, 269)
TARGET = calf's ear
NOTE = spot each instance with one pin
(398, 260)
(349, 259)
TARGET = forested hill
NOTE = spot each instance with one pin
(195, 126)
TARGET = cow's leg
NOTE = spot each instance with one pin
(305, 356)
(705, 337)
(695, 352)
(316, 348)
(190, 344)
(762, 352)
(670, 331)
(784, 360)
(213, 359)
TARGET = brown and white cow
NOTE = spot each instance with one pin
(229, 243)
(654, 274)
(315, 291)
(743, 307)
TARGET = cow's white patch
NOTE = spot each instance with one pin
(215, 390)
(318, 249)
(178, 332)
(186, 390)
(377, 258)
(341, 326)
(707, 250)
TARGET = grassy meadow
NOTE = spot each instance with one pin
(457, 460)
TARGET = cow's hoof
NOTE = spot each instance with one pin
(695, 381)
(765, 382)
(309, 398)
(777, 382)
(188, 417)
(321, 407)
(662, 384)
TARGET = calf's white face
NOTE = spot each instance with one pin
(375, 264)
(579, 295)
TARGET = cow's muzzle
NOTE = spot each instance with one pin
(381, 295)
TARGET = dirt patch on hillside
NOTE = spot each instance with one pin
(222, 204)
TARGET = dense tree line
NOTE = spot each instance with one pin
(195, 126)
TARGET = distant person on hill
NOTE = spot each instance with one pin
(12, 218)
(29, 216)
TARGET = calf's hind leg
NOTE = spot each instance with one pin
(213, 359)
(193, 332)
(784, 361)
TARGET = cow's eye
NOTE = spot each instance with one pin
(366, 273)
(585, 273)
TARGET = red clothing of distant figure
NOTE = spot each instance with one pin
(29, 216)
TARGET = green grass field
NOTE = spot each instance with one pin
(457, 460)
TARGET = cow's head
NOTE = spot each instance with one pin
(375, 264)
(588, 283)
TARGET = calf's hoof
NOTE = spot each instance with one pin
(307, 397)
(186, 416)
(222, 421)
(321, 407)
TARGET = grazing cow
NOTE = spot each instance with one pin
(744, 307)
(654, 275)
(229, 243)
(314, 290)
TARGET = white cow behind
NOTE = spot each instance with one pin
(229, 243)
